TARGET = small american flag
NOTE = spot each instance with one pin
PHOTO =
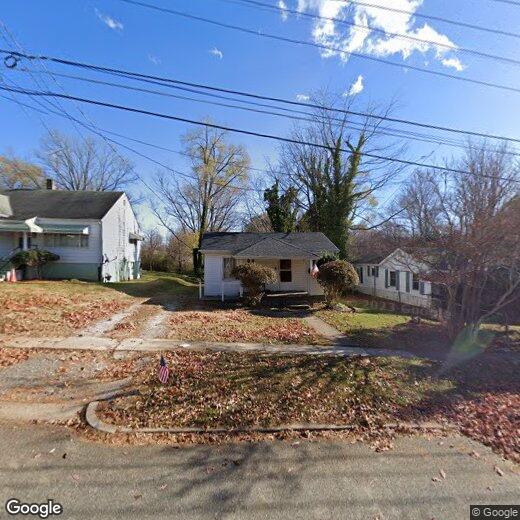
(164, 371)
(315, 271)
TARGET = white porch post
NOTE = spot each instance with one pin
(25, 241)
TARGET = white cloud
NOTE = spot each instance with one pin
(283, 13)
(110, 22)
(154, 59)
(358, 38)
(217, 53)
(454, 63)
(356, 87)
(302, 97)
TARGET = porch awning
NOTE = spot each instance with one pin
(13, 226)
(135, 236)
(66, 229)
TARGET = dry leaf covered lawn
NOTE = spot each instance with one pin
(11, 356)
(239, 326)
(222, 389)
(55, 308)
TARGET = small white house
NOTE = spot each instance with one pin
(395, 276)
(95, 233)
(291, 255)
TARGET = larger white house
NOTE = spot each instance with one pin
(291, 255)
(394, 276)
(95, 233)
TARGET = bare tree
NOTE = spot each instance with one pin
(337, 180)
(466, 234)
(209, 202)
(16, 173)
(86, 164)
(153, 243)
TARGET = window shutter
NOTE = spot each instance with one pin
(398, 280)
(408, 276)
(421, 287)
(386, 277)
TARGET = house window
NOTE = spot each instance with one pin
(369, 271)
(393, 278)
(229, 265)
(415, 282)
(360, 274)
(375, 271)
(62, 240)
(285, 271)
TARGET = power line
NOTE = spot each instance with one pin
(241, 131)
(386, 131)
(271, 7)
(307, 43)
(436, 18)
(100, 132)
(164, 81)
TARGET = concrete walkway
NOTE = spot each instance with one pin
(327, 331)
(153, 345)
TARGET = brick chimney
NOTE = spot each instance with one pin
(49, 184)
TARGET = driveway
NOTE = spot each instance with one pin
(254, 481)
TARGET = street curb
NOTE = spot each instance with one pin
(95, 422)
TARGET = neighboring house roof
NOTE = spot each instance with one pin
(374, 258)
(26, 204)
(269, 245)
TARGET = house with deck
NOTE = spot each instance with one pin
(394, 275)
(292, 255)
(95, 233)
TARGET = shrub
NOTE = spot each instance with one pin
(33, 258)
(327, 257)
(337, 277)
(254, 277)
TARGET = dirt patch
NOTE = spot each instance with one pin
(238, 326)
(132, 325)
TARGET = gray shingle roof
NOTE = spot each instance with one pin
(269, 245)
(25, 204)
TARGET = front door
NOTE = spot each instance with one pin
(286, 274)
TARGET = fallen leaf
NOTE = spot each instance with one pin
(499, 471)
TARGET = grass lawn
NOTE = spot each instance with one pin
(384, 329)
(59, 308)
(239, 325)
(222, 389)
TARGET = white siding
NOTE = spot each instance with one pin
(212, 275)
(375, 286)
(74, 255)
(116, 227)
(214, 282)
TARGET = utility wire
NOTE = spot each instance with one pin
(164, 81)
(381, 130)
(100, 132)
(307, 43)
(242, 131)
(369, 28)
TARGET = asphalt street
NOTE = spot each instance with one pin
(419, 478)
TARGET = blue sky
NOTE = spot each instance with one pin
(119, 35)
